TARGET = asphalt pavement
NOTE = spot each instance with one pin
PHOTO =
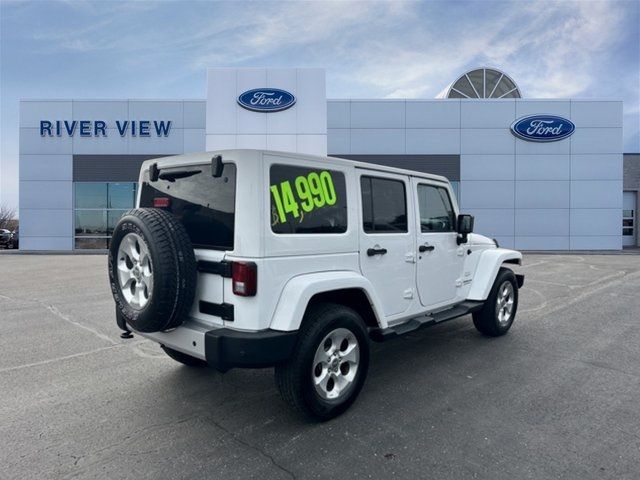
(558, 397)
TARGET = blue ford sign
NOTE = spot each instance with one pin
(542, 128)
(266, 100)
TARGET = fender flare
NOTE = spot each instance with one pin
(298, 291)
(487, 271)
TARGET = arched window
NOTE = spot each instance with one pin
(484, 83)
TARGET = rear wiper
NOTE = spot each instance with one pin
(175, 174)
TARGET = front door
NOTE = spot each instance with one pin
(440, 258)
(387, 243)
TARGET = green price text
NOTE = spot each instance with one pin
(309, 192)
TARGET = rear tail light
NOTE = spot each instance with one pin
(161, 202)
(245, 278)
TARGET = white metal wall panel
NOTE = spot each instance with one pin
(543, 167)
(32, 111)
(231, 126)
(433, 114)
(338, 114)
(377, 114)
(194, 114)
(46, 195)
(112, 143)
(45, 223)
(436, 141)
(481, 114)
(487, 167)
(46, 167)
(537, 222)
(194, 140)
(542, 194)
(543, 107)
(596, 194)
(596, 167)
(487, 194)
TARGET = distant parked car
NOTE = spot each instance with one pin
(5, 238)
(14, 241)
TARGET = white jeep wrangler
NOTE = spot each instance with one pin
(249, 258)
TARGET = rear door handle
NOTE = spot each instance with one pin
(376, 251)
(426, 248)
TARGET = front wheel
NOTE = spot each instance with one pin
(499, 311)
(329, 364)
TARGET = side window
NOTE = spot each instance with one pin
(436, 211)
(307, 200)
(384, 205)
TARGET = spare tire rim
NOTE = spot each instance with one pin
(135, 271)
(335, 364)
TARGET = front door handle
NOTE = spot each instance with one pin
(426, 248)
(376, 251)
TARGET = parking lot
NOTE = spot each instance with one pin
(558, 397)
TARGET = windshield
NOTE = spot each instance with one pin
(205, 205)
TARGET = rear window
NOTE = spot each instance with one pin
(307, 200)
(205, 205)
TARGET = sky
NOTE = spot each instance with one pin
(112, 49)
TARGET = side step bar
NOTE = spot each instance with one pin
(464, 308)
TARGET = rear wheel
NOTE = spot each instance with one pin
(184, 358)
(329, 365)
(499, 311)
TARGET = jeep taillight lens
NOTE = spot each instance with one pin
(161, 202)
(245, 278)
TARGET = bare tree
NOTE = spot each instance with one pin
(7, 216)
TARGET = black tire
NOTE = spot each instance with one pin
(184, 358)
(294, 378)
(486, 320)
(174, 269)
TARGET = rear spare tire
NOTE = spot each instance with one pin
(152, 270)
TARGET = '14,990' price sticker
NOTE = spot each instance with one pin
(309, 192)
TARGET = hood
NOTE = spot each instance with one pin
(477, 239)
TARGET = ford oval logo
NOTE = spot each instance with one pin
(542, 128)
(266, 100)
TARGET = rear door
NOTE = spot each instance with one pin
(440, 258)
(387, 240)
(205, 205)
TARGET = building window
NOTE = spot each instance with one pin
(627, 223)
(97, 208)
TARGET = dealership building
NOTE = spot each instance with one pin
(537, 174)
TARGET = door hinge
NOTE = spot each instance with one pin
(408, 294)
(410, 257)
(458, 283)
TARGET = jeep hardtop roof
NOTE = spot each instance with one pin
(202, 157)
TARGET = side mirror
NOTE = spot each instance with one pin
(465, 227)
(465, 224)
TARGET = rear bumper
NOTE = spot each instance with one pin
(225, 348)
